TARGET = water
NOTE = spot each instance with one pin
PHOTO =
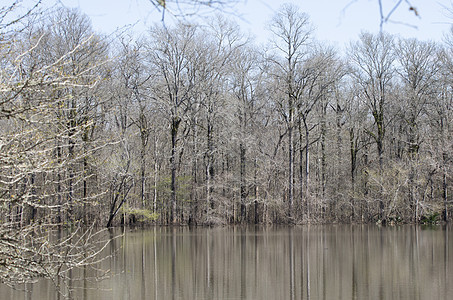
(309, 262)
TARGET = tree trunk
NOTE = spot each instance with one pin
(353, 144)
(85, 190)
(193, 194)
(301, 168)
(323, 150)
(243, 180)
(174, 134)
(379, 118)
(290, 159)
(445, 193)
(255, 190)
(155, 174)
(307, 166)
(72, 124)
(209, 166)
(143, 171)
(59, 189)
(339, 173)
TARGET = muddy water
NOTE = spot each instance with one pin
(307, 262)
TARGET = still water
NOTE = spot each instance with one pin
(307, 262)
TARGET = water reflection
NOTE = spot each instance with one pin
(316, 262)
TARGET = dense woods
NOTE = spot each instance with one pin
(192, 124)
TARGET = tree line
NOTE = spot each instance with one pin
(191, 124)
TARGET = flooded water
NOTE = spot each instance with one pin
(307, 262)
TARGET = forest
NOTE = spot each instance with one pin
(198, 125)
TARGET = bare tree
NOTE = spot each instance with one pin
(372, 60)
(418, 68)
(169, 52)
(291, 30)
(247, 88)
(323, 91)
(356, 117)
(38, 86)
(316, 80)
(441, 114)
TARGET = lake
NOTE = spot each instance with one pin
(301, 262)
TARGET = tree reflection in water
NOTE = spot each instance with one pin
(306, 262)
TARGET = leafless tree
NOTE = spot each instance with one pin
(170, 50)
(418, 68)
(372, 59)
(40, 81)
(291, 31)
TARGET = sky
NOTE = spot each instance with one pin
(336, 21)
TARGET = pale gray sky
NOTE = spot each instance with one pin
(336, 21)
(342, 20)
